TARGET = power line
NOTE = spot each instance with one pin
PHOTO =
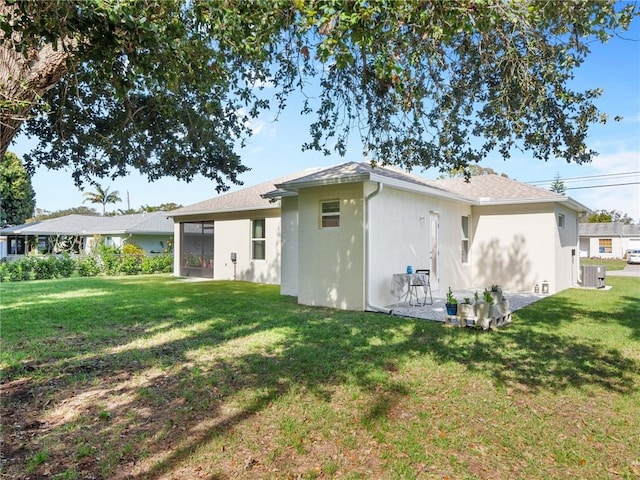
(588, 177)
(601, 186)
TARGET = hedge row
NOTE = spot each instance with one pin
(107, 263)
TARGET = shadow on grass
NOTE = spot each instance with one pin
(245, 344)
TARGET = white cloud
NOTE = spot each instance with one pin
(620, 162)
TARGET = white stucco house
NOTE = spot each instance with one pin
(608, 240)
(335, 236)
(150, 231)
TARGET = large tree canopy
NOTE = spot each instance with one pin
(167, 86)
(17, 198)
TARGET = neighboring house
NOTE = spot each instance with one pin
(151, 231)
(608, 240)
(335, 236)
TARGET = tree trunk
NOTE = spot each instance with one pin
(24, 78)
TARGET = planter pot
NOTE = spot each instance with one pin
(452, 308)
(497, 297)
(505, 306)
(482, 314)
(495, 311)
(466, 310)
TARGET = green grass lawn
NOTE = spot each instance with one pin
(610, 263)
(155, 377)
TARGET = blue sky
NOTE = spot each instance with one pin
(275, 149)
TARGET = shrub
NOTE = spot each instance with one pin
(111, 260)
(157, 264)
(88, 267)
(132, 249)
(130, 265)
(165, 263)
(65, 266)
(4, 271)
(17, 271)
(44, 268)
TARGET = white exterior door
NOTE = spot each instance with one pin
(433, 250)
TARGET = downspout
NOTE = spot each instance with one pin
(367, 263)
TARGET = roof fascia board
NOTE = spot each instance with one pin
(572, 204)
(232, 214)
(296, 185)
(206, 211)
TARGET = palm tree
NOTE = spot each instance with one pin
(103, 197)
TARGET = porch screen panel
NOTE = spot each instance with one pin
(197, 249)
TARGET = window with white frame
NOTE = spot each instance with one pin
(465, 239)
(258, 237)
(330, 214)
(561, 220)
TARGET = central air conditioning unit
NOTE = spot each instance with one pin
(593, 276)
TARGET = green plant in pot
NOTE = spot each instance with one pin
(466, 309)
(496, 293)
(482, 310)
(451, 304)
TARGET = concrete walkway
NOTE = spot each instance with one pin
(437, 310)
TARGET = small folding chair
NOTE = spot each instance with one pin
(421, 278)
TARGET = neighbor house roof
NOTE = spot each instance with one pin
(152, 223)
(613, 229)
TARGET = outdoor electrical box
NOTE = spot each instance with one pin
(234, 257)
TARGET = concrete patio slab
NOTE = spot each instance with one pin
(437, 311)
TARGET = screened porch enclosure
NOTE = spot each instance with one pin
(196, 255)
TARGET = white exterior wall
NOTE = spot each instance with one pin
(235, 236)
(330, 265)
(567, 257)
(289, 242)
(399, 235)
(514, 246)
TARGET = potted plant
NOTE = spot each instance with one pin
(466, 308)
(505, 305)
(496, 293)
(451, 304)
(482, 309)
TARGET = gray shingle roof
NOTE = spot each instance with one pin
(484, 189)
(140, 223)
(249, 198)
(614, 229)
(495, 188)
(352, 172)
